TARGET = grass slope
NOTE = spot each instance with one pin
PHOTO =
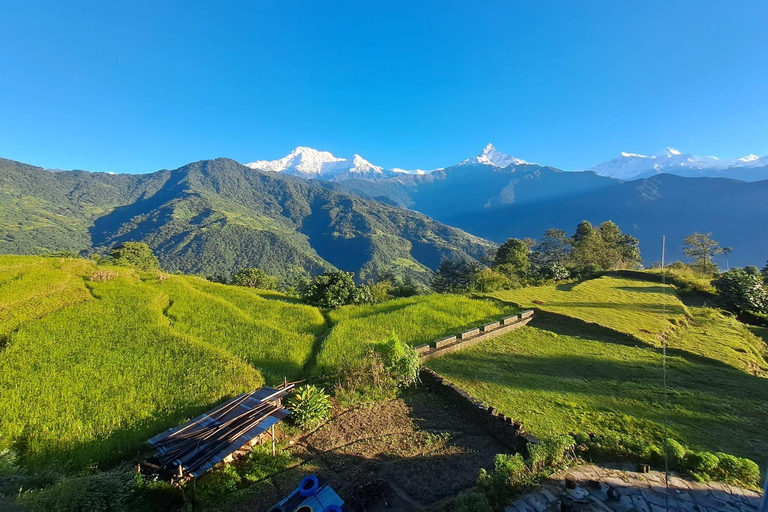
(415, 320)
(89, 370)
(579, 371)
(642, 309)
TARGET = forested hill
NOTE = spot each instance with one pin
(217, 216)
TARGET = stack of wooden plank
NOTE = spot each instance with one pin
(195, 447)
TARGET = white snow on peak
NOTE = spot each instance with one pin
(490, 156)
(311, 163)
(628, 166)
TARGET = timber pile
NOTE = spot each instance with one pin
(193, 448)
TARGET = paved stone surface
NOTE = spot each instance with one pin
(638, 492)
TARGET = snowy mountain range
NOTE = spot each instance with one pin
(313, 164)
(629, 166)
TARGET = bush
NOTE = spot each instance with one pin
(742, 291)
(109, 491)
(736, 470)
(489, 280)
(473, 502)
(334, 289)
(255, 278)
(554, 272)
(403, 362)
(134, 254)
(509, 473)
(380, 292)
(550, 454)
(700, 463)
(309, 406)
(676, 453)
(364, 379)
(217, 484)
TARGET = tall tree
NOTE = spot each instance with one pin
(454, 276)
(702, 249)
(512, 257)
(554, 248)
(605, 247)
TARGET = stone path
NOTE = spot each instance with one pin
(619, 489)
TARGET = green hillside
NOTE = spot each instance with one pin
(96, 360)
(215, 217)
(591, 362)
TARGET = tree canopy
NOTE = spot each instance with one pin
(255, 278)
(134, 254)
(334, 289)
(701, 248)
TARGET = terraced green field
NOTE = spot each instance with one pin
(579, 371)
(89, 369)
(415, 320)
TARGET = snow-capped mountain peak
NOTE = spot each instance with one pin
(491, 156)
(629, 166)
(311, 163)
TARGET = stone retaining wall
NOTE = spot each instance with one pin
(473, 336)
(503, 428)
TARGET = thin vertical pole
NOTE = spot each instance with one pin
(664, 366)
(273, 440)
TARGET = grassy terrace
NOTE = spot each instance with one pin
(416, 320)
(562, 374)
(89, 370)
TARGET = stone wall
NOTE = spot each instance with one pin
(473, 336)
(503, 428)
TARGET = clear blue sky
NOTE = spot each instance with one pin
(142, 85)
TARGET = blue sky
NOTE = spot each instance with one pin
(143, 85)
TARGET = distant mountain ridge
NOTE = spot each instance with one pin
(629, 166)
(217, 216)
(313, 164)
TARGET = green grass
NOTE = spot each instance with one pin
(92, 382)
(415, 320)
(641, 309)
(558, 378)
(274, 336)
(90, 370)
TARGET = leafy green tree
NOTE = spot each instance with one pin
(702, 249)
(553, 248)
(454, 276)
(765, 272)
(255, 278)
(742, 290)
(334, 289)
(512, 257)
(134, 254)
(489, 280)
(605, 247)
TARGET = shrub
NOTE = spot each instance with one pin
(700, 463)
(550, 453)
(380, 292)
(255, 278)
(742, 291)
(217, 484)
(554, 272)
(473, 502)
(489, 280)
(109, 491)
(509, 472)
(134, 254)
(736, 470)
(403, 362)
(334, 289)
(309, 406)
(101, 276)
(676, 453)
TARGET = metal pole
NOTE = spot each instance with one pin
(273, 440)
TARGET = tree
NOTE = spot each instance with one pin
(702, 248)
(134, 254)
(765, 272)
(334, 289)
(255, 278)
(512, 257)
(742, 291)
(604, 247)
(488, 280)
(553, 248)
(454, 276)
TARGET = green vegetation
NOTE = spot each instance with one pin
(309, 406)
(595, 367)
(255, 278)
(416, 320)
(743, 291)
(642, 309)
(98, 359)
(334, 289)
(134, 254)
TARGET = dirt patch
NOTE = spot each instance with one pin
(411, 453)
